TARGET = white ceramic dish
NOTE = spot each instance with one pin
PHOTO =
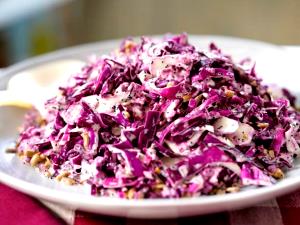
(27, 180)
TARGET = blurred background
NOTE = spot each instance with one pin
(32, 27)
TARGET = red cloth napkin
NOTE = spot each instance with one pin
(17, 208)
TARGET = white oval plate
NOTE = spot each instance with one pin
(27, 180)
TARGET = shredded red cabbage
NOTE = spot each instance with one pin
(160, 119)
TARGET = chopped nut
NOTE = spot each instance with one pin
(198, 98)
(36, 159)
(186, 98)
(11, 150)
(170, 84)
(116, 131)
(128, 46)
(68, 181)
(220, 192)
(47, 163)
(253, 83)
(126, 114)
(20, 154)
(232, 189)
(86, 140)
(262, 125)
(271, 153)
(42, 156)
(62, 175)
(244, 136)
(157, 170)
(229, 93)
(29, 153)
(41, 122)
(217, 191)
(278, 174)
(159, 186)
(130, 193)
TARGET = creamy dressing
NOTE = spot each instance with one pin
(102, 105)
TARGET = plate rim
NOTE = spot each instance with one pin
(45, 193)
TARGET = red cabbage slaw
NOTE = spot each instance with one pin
(160, 119)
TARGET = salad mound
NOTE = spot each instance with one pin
(160, 119)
